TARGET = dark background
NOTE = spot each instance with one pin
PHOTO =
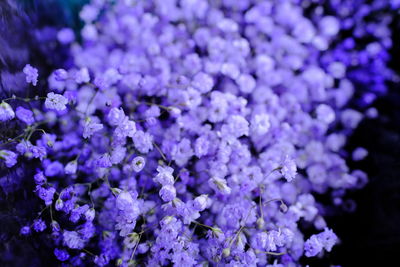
(371, 235)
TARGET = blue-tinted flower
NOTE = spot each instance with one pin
(6, 112)
(53, 169)
(164, 175)
(219, 185)
(116, 116)
(118, 155)
(200, 202)
(25, 230)
(73, 240)
(201, 146)
(128, 211)
(312, 246)
(103, 161)
(359, 153)
(25, 115)
(328, 239)
(39, 225)
(168, 193)
(138, 163)
(77, 212)
(82, 76)
(55, 102)
(9, 157)
(31, 74)
(325, 114)
(202, 82)
(61, 75)
(61, 254)
(71, 167)
(143, 141)
(66, 36)
(91, 127)
(46, 194)
(288, 169)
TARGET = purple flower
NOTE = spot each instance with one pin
(143, 141)
(168, 193)
(89, 13)
(103, 161)
(359, 154)
(313, 246)
(71, 167)
(116, 116)
(55, 102)
(9, 157)
(124, 200)
(91, 127)
(77, 212)
(31, 74)
(38, 152)
(255, 90)
(46, 194)
(246, 83)
(39, 225)
(73, 240)
(325, 114)
(128, 211)
(201, 146)
(60, 75)
(288, 169)
(118, 154)
(66, 36)
(138, 163)
(25, 230)
(200, 202)
(203, 82)
(82, 76)
(164, 175)
(260, 124)
(328, 239)
(25, 115)
(53, 169)
(61, 254)
(325, 240)
(329, 25)
(237, 126)
(6, 112)
(219, 185)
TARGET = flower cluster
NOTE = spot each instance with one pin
(199, 131)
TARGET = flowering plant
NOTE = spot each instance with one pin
(197, 132)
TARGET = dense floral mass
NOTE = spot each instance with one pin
(197, 133)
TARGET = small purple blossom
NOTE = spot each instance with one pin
(39, 225)
(61, 75)
(25, 230)
(61, 254)
(56, 102)
(91, 127)
(71, 167)
(31, 74)
(168, 192)
(25, 115)
(138, 163)
(66, 36)
(288, 169)
(9, 157)
(6, 112)
(164, 175)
